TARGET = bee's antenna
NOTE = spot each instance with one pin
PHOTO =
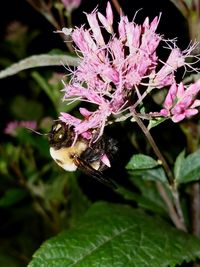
(34, 131)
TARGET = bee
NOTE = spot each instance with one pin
(85, 155)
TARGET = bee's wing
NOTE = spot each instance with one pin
(87, 169)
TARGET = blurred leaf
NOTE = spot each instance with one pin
(178, 165)
(3, 166)
(26, 137)
(78, 208)
(149, 190)
(17, 39)
(26, 109)
(54, 93)
(10, 152)
(8, 260)
(148, 199)
(117, 235)
(55, 190)
(12, 196)
(183, 6)
(4, 61)
(192, 78)
(39, 61)
(189, 170)
(140, 161)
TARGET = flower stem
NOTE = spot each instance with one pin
(195, 208)
(155, 148)
(172, 212)
(148, 90)
(117, 7)
(175, 210)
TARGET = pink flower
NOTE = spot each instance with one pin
(150, 39)
(94, 25)
(180, 102)
(76, 90)
(69, 119)
(13, 126)
(116, 73)
(91, 120)
(71, 4)
(107, 21)
(165, 76)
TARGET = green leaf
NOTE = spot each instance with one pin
(117, 235)
(148, 199)
(155, 122)
(140, 161)
(11, 197)
(146, 167)
(7, 259)
(54, 94)
(78, 208)
(39, 61)
(192, 78)
(178, 165)
(155, 174)
(26, 109)
(190, 168)
(149, 191)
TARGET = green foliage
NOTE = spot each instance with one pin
(117, 235)
(12, 196)
(140, 161)
(26, 109)
(38, 198)
(38, 61)
(179, 165)
(187, 169)
(146, 167)
(8, 260)
(155, 122)
(52, 90)
(148, 197)
(144, 171)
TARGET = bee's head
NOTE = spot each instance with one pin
(61, 135)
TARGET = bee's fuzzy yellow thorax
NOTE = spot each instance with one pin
(64, 156)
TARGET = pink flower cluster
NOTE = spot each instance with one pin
(13, 126)
(117, 72)
(70, 5)
(180, 103)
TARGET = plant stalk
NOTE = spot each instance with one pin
(117, 7)
(155, 148)
(175, 213)
(172, 212)
(195, 208)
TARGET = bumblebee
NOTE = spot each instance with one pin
(85, 155)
